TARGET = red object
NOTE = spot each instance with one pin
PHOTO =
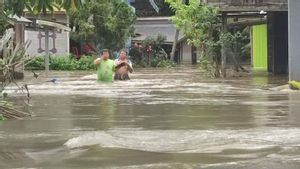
(88, 49)
(75, 53)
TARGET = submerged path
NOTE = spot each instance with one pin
(162, 118)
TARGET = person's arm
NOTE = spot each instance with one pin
(120, 64)
(130, 68)
(114, 68)
(97, 61)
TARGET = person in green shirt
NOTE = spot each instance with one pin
(105, 67)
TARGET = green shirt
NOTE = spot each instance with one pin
(106, 70)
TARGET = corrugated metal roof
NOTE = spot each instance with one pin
(20, 19)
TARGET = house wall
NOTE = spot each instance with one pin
(294, 40)
(61, 43)
(186, 53)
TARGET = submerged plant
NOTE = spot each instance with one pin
(13, 58)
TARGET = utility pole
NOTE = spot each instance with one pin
(47, 62)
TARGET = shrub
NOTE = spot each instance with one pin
(63, 63)
(150, 52)
(37, 63)
(165, 63)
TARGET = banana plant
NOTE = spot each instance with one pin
(40, 6)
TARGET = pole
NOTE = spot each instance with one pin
(47, 52)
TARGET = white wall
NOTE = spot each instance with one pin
(186, 53)
(61, 43)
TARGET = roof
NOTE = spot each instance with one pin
(20, 19)
(242, 5)
(53, 25)
(155, 26)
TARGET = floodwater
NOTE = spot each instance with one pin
(162, 118)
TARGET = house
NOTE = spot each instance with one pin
(153, 26)
(13, 36)
(269, 34)
(151, 22)
(59, 43)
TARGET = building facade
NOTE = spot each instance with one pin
(59, 41)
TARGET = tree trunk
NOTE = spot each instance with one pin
(174, 45)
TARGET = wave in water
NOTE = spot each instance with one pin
(192, 141)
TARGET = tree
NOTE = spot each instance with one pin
(164, 8)
(108, 22)
(150, 52)
(40, 6)
(201, 26)
(12, 57)
(3, 19)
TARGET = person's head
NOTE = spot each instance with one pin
(123, 54)
(105, 54)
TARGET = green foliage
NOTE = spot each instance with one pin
(62, 63)
(207, 65)
(164, 8)
(68, 63)
(150, 52)
(3, 20)
(200, 24)
(202, 27)
(108, 22)
(196, 20)
(162, 63)
(1, 117)
(37, 63)
(40, 6)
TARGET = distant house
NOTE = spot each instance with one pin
(58, 40)
(153, 26)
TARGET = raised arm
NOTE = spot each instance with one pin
(97, 61)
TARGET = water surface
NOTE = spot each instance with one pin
(162, 118)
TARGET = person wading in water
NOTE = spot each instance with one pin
(123, 66)
(105, 67)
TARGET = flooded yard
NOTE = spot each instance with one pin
(162, 118)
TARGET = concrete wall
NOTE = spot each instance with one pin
(186, 53)
(62, 43)
(294, 40)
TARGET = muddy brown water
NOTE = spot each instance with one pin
(162, 118)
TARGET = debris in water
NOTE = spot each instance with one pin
(54, 80)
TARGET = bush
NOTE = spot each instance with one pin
(63, 63)
(37, 63)
(165, 63)
(150, 53)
